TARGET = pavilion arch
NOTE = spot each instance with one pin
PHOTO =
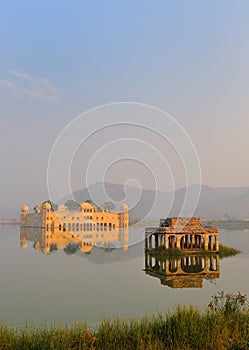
(154, 263)
(172, 241)
(192, 264)
(153, 241)
(192, 241)
(173, 265)
(213, 262)
(212, 242)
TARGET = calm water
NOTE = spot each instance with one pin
(70, 285)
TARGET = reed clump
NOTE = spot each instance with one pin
(224, 324)
(162, 252)
(225, 251)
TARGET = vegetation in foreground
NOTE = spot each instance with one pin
(223, 325)
(162, 252)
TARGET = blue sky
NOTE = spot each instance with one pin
(60, 58)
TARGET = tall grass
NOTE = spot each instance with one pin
(223, 325)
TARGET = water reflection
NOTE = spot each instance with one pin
(183, 272)
(48, 241)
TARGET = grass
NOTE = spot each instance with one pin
(225, 251)
(224, 324)
(162, 252)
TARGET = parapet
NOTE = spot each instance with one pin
(169, 222)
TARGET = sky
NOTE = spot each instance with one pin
(58, 59)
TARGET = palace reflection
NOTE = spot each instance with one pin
(187, 271)
(47, 241)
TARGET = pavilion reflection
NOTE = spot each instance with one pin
(47, 241)
(187, 271)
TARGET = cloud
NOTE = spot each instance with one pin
(20, 75)
(11, 86)
(21, 84)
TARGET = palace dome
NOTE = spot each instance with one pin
(24, 244)
(25, 208)
(86, 248)
(47, 206)
(124, 207)
(85, 205)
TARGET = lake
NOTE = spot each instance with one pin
(68, 284)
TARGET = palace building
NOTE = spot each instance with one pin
(87, 218)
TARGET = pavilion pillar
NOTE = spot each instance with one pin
(205, 242)
(206, 268)
(212, 263)
(178, 241)
(150, 241)
(167, 266)
(217, 243)
(146, 260)
(191, 240)
(179, 268)
(211, 242)
(217, 263)
(166, 242)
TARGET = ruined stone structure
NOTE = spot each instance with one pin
(186, 234)
(185, 272)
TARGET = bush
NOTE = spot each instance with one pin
(228, 304)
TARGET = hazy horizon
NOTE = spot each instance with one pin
(14, 211)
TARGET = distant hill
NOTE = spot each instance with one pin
(227, 202)
(215, 202)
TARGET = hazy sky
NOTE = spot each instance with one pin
(60, 58)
